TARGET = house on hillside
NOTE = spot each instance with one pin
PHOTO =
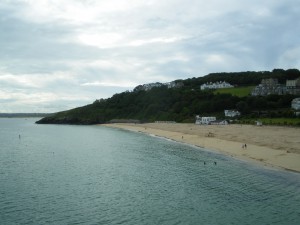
(148, 87)
(270, 82)
(296, 103)
(231, 113)
(174, 84)
(268, 87)
(216, 85)
(204, 120)
(293, 86)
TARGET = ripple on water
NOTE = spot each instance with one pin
(96, 175)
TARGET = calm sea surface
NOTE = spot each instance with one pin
(57, 174)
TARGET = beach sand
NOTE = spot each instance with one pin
(272, 146)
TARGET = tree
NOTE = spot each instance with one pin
(242, 107)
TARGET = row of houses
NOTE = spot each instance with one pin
(266, 87)
(148, 87)
(231, 113)
(272, 86)
(212, 120)
(209, 121)
(215, 85)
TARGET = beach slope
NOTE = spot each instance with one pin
(272, 146)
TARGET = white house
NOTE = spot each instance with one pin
(216, 85)
(293, 86)
(231, 113)
(174, 84)
(296, 103)
(258, 123)
(219, 122)
(204, 120)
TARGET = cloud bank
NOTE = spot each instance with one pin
(60, 54)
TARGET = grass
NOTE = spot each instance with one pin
(237, 91)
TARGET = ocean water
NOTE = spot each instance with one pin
(59, 174)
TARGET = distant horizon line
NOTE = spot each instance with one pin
(24, 114)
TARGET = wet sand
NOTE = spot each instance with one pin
(272, 146)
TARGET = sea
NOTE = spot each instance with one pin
(68, 174)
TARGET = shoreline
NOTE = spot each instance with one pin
(275, 147)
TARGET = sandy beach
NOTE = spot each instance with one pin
(272, 146)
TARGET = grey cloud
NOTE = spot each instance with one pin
(163, 41)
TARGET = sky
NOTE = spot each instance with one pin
(60, 54)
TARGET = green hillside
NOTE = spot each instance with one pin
(236, 91)
(183, 103)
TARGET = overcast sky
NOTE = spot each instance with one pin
(60, 54)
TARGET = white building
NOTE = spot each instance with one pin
(271, 86)
(216, 85)
(204, 120)
(148, 87)
(258, 123)
(296, 104)
(174, 84)
(219, 122)
(293, 86)
(231, 113)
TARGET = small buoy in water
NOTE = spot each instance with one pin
(204, 163)
(19, 136)
(215, 163)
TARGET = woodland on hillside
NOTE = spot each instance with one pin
(184, 103)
